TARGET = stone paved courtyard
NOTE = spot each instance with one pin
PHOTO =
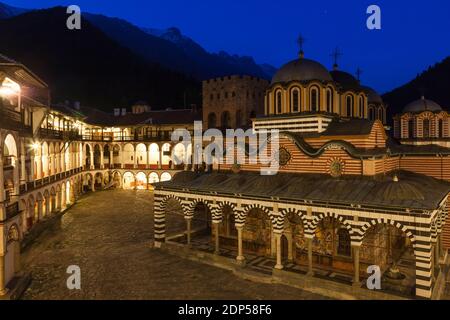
(108, 234)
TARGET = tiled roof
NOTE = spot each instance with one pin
(413, 191)
(350, 127)
(97, 117)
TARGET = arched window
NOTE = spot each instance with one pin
(225, 120)
(212, 120)
(361, 107)
(426, 128)
(314, 97)
(295, 100)
(279, 104)
(349, 106)
(330, 100)
(411, 128)
(441, 129)
(380, 114)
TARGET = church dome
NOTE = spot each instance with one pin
(422, 105)
(345, 79)
(302, 70)
(372, 95)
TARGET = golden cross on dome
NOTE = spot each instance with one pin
(336, 54)
(301, 41)
(359, 72)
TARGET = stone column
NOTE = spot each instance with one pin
(63, 199)
(23, 171)
(135, 158)
(2, 182)
(216, 237)
(3, 289)
(188, 229)
(160, 158)
(16, 175)
(47, 206)
(240, 257)
(111, 159)
(93, 184)
(310, 256)
(53, 164)
(356, 281)
(102, 158)
(31, 169)
(279, 265)
(39, 209)
(92, 159)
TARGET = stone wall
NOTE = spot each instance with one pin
(236, 98)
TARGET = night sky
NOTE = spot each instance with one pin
(415, 34)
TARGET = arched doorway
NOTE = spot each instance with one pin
(201, 220)
(165, 176)
(128, 181)
(332, 247)
(388, 247)
(153, 177)
(141, 181)
(257, 233)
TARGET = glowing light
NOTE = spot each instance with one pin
(35, 146)
(9, 88)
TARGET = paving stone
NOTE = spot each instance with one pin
(108, 235)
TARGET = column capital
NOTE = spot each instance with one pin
(356, 244)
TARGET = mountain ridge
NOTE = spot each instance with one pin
(88, 66)
(433, 83)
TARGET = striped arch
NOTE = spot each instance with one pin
(317, 218)
(160, 218)
(278, 223)
(396, 224)
(163, 202)
(241, 216)
(189, 212)
(217, 214)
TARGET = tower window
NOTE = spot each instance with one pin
(426, 128)
(329, 101)
(314, 97)
(361, 107)
(295, 100)
(411, 129)
(441, 128)
(279, 102)
(349, 105)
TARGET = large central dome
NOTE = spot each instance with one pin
(302, 70)
(422, 105)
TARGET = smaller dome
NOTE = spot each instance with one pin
(302, 70)
(422, 105)
(372, 95)
(345, 79)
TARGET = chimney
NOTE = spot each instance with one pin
(124, 111)
(76, 105)
(116, 112)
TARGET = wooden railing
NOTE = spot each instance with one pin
(49, 180)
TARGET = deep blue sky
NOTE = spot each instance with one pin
(414, 35)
